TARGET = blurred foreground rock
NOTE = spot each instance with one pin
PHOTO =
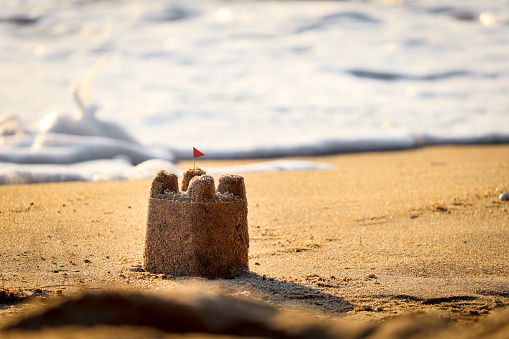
(204, 316)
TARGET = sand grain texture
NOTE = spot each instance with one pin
(199, 232)
(419, 232)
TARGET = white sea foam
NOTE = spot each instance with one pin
(121, 169)
(271, 166)
(244, 79)
(69, 149)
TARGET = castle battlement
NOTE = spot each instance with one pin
(197, 187)
(199, 231)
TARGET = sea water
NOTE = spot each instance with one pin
(243, 79)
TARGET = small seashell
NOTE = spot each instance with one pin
(504, 196)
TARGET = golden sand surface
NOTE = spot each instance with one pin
(419, 232)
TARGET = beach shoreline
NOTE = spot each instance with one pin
(382, 235)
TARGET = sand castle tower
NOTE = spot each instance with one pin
(197, 231)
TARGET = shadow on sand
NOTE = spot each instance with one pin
(292, 294)
(273, 291)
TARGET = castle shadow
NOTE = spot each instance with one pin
(273, 291)
(295, 294)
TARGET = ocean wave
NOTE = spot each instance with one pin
(96, 170)
(235, 79)
(458, 13)
(174, 12)
(56, 168)
(339, 18)
(20, 19)
(120, 169)
(377, 142)
(69, 149)
(387, 76)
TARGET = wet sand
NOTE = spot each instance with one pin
(419, 232)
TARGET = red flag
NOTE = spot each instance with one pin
(197, 153)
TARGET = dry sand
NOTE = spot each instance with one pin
(418, 232)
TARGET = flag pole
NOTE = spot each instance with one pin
(196, 154)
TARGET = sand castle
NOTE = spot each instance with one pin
(197, 231)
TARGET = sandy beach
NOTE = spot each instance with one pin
(383, 235)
